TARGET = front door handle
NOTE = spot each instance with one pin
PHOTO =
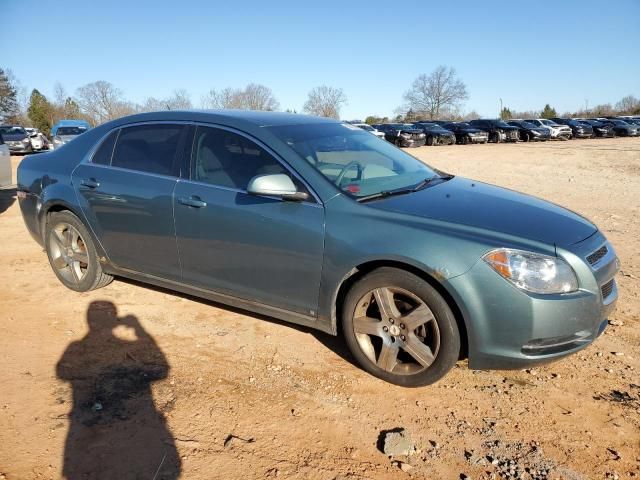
(90, 183)
(192, 201)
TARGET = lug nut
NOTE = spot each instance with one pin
(402, 337)
(391, 320)
(402, 326)
(386, 329)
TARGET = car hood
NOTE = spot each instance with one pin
(471, 130)
(467, 202)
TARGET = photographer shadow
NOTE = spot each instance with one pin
(115, 429)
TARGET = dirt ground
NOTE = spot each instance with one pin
(188, 386)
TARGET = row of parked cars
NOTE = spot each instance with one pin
(438, 132)
(23, 140)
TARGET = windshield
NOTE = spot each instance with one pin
(12, 131)
(550, 123)
(368, 128)
(70, 130)
(619, 122)
(500, 123)
(358, 163)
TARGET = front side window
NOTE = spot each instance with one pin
(226, 159)
(358, 163)
(148, 148)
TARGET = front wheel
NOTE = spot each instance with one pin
(399, 328)
(72, 254)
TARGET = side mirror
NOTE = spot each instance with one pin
(276, 185)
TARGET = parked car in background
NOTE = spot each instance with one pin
(557, 131)
(38, 140)
(65, 134)
(16, 138)
(5, 164)
(413, 266)
(70, 129)
(368, 128)
(498, 130)
(578, 129)
(529, 131)
(435, 134)
(466, 133)
(620, 127)
(402, 134)
(599, 128)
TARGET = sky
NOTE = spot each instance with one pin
(527, 53)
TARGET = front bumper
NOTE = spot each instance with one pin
(411, 142)
(509, 328)
(20, 148)
(583, 134)
(477, 138)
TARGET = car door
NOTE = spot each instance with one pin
(126, 194)
(256, 248)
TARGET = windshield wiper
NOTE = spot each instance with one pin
(401, 191)
(384, 194)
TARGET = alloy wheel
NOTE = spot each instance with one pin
(396, 330)
(68, 252)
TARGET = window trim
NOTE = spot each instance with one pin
(262, 145)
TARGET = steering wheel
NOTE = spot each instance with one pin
(344, 170)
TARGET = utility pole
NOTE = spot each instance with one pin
(500, 115)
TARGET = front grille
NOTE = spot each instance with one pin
(597, 255)
(607, 288)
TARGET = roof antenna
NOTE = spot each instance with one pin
(168, 107)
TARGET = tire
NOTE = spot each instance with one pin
(430, 141)
(495, 137)
(525, 137)
(72, 253)
(465, 140)
(386, 347)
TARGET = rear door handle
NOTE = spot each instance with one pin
(90, 183)
(192, 201)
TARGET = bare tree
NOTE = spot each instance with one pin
(101, 101)
(325, 101)
(253, 97)
(439, 92)
(259, 97)
(180, 100)
(628, 104)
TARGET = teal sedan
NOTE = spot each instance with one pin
(322, 224)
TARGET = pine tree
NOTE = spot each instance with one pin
(40, 112)
(548, 112)
(9, 109)
(505, 114)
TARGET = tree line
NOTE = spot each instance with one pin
(439, 95)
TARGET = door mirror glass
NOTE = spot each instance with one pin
(275, 185)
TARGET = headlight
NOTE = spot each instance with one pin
(533, 272)
(25, 141)
(535, 132)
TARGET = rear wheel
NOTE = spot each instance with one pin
(72, 254)
(399, 328)
(430, 140)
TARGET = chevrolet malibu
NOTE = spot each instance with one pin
(322, 224)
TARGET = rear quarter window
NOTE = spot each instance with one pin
(105, 150)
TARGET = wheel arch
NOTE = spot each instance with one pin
(363, 269)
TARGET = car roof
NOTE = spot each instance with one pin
(254, 117)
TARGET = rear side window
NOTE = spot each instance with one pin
(148, 148)
(227, 159)
(105, 151)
